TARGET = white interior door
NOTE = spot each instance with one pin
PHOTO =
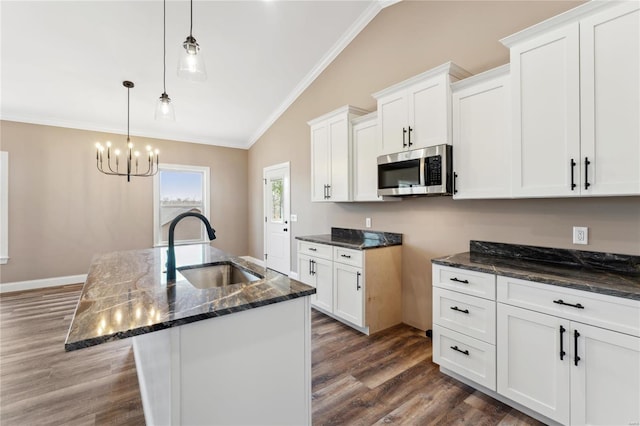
(277, 240)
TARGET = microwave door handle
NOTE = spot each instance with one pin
(423, 172)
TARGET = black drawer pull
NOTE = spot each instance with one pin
(562, 352)
(455, 308)
(456, 348)
(459, 280)
(576, 358)
(313, 249)
(572, 164)
(346, 255)
(561, 302)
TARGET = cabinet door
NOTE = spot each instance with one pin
(305, 272)
(340, 156)
(605, 385)
(320, 158)
(481, 140)
(349, 293)
(392, 123)
(530, 370)
(323, 273)
(546, 114)
(610, 98)
(428, 108)
(365, 157)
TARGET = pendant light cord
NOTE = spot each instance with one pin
(128, 89)
(164, 45)
(191, 26)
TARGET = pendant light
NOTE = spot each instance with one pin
(164, 108)
(191, 65)
(131, 157)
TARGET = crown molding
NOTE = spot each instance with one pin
(491, 74)
(364, 19)
(93, 127)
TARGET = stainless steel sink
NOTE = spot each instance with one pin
(217, 275)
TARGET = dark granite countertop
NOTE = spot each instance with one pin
(356, 239)
(126, 294)
(604, 273)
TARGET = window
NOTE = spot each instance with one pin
(4, 207)
(180, 189)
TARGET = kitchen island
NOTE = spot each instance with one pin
(238, 353)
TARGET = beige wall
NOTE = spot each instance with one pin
(62, 211)
(402, 41)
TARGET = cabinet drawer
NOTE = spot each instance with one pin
(613, 313)
(473, 316)
(469, 357)
(318, 250)
(347, 256)
(464, 281)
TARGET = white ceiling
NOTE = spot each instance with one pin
(63, 62)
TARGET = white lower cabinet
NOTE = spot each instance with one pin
(530, 369)
(565, 355)
(464, 323)
(569, 371)
(348, 297)
(362, 288)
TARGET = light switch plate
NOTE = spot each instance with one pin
(367, 222)
(580, 235)
(293, 217)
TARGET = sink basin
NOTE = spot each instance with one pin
(217, 275)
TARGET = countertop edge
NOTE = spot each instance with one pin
(314, 239)
(94, 341)
(533, 276)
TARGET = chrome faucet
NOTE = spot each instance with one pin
(171, 253)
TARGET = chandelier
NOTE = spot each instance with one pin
(132, 158)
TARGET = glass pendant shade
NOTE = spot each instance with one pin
(191, 64)
(164, 109)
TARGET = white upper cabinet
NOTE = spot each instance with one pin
(416, 113)
(610, 100)
(331, 154)
(365, 155)
(575, 103)
(481, 135)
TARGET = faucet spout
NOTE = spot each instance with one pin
(171, 253)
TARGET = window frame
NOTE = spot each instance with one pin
(4, 207)
(206, 195)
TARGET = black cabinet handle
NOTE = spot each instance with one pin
(410, 130)
(455, 176)
(285, 230)
(313, 249)
(455, 308)
(576, 358)
(346, 255)
(561, 302)
(358, 287)
(310, 269)
(456, 348)
(573, 166)
(325, 192)
(328, 192)
(404, 133)
(459, 280)
(562, 352)
(586, 173)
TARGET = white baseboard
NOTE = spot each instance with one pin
(253, 260)
(46, 282)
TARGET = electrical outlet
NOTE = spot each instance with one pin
(293, 217)
(367, 222)
(580, 235)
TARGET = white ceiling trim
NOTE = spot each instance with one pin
(93, 127)
(364, 19)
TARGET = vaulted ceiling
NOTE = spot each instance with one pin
(63, 62)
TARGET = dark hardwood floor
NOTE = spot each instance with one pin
(357, 380)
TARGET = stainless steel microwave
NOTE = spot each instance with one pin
(425, 171)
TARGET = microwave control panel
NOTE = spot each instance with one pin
(433, 172)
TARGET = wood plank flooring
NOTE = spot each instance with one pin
(357, 380)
